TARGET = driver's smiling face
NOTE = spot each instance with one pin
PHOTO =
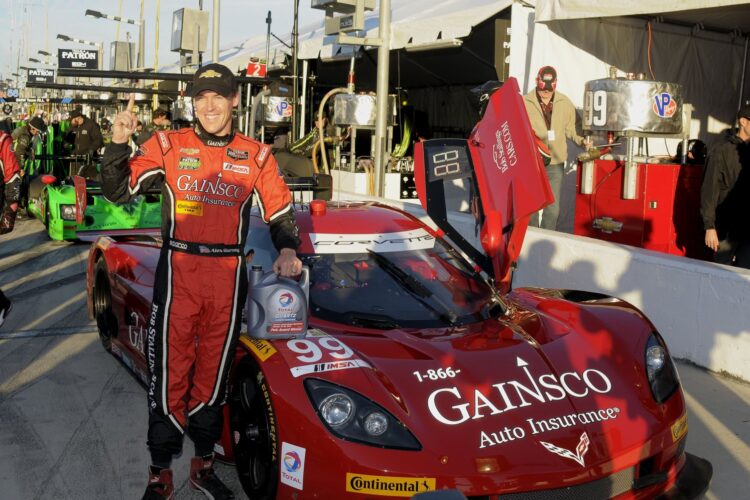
(214, 111)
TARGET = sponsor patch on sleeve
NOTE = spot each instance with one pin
(238, 154)
(189, 207)
(189, 163)
(263, 154)
(238, 169)
(164, 142)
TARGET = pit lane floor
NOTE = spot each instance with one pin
(73, 420)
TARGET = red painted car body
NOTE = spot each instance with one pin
(533, 393)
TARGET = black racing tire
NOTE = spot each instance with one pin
(47, 213)
(101, 295)
(253, 425)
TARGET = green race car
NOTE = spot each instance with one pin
(54, 203)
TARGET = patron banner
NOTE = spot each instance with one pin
(77, 59)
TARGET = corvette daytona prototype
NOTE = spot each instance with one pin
(422, 369)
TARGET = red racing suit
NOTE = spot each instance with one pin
(207, 186)
(10, 183)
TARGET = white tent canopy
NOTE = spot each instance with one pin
(726, 15)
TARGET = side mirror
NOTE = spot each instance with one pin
(491, 234)
(48, 179)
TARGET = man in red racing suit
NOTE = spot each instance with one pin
(208, 177)
(10, 188)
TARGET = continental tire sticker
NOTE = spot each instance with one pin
(679, 428)
(189, 208)
(388, 486)
(261, 348)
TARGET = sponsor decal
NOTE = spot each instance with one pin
(388, 486)
(439, 374)
(189, 208)
(217, 250)
(136, 333)
(165, 145)
(292, 465)
(607, 225)
(581, 449)
(188, 163)
(325, 243)
(216, 143)
(319, 352)
(503, 150)
(240, 169)
(238, 154)
(187, 182)
(78, 54)
(680, 428)
(261, 348)
(84, 132)
(332, 366)
(272, 435)
(287, 306)
(210, 74)
(190, 151)
(664, 105)
(151, 355)
(263, 153)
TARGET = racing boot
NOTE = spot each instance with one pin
(204, 479)
(159, 485)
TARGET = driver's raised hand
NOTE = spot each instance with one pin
(124, 124)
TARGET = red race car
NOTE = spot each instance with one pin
(422, 370)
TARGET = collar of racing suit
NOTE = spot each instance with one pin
(211, 139)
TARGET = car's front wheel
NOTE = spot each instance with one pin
(106, 321)
(253, 433)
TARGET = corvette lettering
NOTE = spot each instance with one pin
(187, 182)
(451, 406)
(361, 243)
(388, 486)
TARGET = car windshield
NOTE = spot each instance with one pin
(423, 288)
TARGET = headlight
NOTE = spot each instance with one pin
(351, 416)
(661, 373)
(68, 212)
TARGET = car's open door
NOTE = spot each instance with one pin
(497, 176)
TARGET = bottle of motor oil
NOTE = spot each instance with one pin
(277, 306)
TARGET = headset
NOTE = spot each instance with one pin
(540, 83)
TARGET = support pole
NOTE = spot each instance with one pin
(215, 34)
(382, 95)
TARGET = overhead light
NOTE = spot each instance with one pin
(434, 45)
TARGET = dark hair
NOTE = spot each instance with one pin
(159, 112)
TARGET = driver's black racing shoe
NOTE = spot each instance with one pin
(204, 479)
(159, 486)
(5, 307)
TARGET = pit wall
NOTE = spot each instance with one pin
(702, 309)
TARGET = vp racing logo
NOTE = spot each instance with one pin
(664, 105)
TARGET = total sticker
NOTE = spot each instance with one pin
(292, 468)
(189, 207)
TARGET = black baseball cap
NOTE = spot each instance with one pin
(744, 112)
(75, 113)
(38, 123)
(216, 77)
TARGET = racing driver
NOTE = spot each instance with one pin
(10, 188)
(208, 174)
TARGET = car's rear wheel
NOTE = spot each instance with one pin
(106, 321)
(253, 433)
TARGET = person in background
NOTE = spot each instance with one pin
(211, 173)
(10, 190)
(162, 120)
(725, 195)
(23, 137)
(553, 118)
(88, 135)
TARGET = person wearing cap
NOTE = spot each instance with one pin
(210, 175)
(725, 195)
(23, 138)
(161, 120)
(553, 118)
(88, 135)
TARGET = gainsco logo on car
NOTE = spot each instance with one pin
(238, 154)
(292, 470)
(388, 486)
(362, 243)
(239, 169)
(664, 105)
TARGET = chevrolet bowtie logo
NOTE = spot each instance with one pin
(211, 74)
(607, 225)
